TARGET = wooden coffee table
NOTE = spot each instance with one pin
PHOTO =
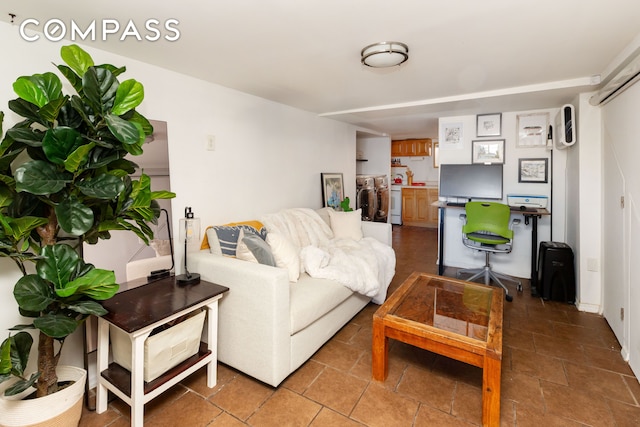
(457, 319)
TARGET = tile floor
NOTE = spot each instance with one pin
(561, 367)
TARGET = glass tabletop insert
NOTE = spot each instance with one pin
(455, 307)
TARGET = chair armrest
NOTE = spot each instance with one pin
(380, 231)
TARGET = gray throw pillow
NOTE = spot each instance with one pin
(259, 248)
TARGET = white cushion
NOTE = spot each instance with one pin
(312, 298)
(346, 225)
(285, 254)
(242, 251)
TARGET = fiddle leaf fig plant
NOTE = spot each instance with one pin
(66, 179)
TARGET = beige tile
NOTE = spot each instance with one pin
(576, 405)
(304, 376)
(197, 382)
(336, 390)
(329, 418)
(596, 381)
(242, 396)
(533, 417)
(537, 365)
(428, 387)
(429, 417)
(190, 409)
(521, 388)
(625, 415)
(285, 408)
(226, 420)
(338, 355)
(93, 419)
(554, 347)
(607, 359)
(467, 403)
(380, 407)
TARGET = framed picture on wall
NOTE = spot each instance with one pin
(532, 130)
(489, 124)
(487, 151)
(450, 136)
(332, 189)
(533, 170)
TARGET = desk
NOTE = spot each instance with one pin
(137, 311)
(530, 216)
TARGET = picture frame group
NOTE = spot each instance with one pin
(489, 124)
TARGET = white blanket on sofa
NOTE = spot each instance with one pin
(366, 266)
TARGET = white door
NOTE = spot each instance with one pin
(615, 299)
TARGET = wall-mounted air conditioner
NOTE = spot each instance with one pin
(627, 75)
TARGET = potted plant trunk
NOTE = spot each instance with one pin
(65, 180)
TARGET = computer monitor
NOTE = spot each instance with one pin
(476, 181)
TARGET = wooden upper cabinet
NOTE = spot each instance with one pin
(396, 148)
(411, 147)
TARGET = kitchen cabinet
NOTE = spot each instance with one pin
(411, 147)
(416, 206)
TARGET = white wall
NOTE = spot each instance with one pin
(518, 262)
(267, 156)
(621, 128)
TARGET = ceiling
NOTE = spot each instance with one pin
(466, 56)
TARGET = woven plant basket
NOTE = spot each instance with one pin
(61, 409)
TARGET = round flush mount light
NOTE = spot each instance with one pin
(384, 54)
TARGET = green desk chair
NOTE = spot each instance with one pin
(487, 228)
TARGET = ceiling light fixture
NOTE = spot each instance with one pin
(384, 54)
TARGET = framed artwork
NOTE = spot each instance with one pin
(533, 170)
(332, 189)
(532, 130)
(487, 151)
(450, 137)
(489, 124)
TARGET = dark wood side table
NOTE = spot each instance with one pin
(137, 311)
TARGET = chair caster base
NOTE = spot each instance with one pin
(519, 287)
(509, 298)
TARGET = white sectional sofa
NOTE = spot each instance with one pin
(268, 325)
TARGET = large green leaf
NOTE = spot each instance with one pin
(5, 358)
(58, 264)
(56, 325)
(129, 95)
(79, 157)
(73, 78)
(20, 347)
(25, 109)
(105, 186)
(88, 307)
(38, 89)
(74, 217)
(76, 58)
(50, 111)
(97, 284)
(99, 88)
(40, 178)
(60, 142)
(162, 194)
(22, 227)
(32, 293)
(22, 385)
(28, 136)
(126, 132)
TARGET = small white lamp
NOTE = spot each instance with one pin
(189, 233)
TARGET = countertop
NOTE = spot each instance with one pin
(428, 184)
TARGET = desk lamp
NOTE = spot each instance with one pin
(189, 233)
